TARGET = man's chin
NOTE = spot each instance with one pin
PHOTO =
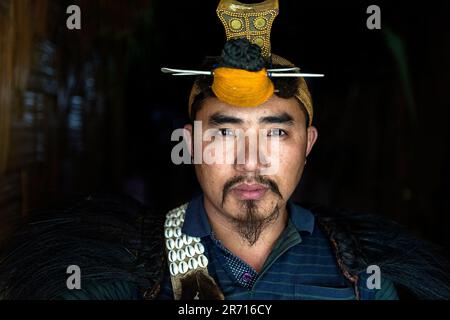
(252, 218)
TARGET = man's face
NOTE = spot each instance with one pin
(243, 190)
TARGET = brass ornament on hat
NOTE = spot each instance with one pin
(251, 21)
(254, 23)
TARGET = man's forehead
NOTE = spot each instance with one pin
(275, 106)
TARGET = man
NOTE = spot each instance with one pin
(259, 243)
(242, 238)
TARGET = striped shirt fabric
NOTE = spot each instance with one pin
(301, 266)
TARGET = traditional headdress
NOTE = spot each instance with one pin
(244, 75)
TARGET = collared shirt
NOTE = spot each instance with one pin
(301, 265)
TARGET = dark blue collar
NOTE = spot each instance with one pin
(196, 223)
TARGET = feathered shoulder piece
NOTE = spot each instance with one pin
(361, 240)
(112, 240)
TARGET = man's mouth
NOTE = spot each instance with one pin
(249, 191)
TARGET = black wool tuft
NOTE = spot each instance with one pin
(242, 54)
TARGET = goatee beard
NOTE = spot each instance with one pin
(251, 225)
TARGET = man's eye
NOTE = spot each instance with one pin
(226, 132)
(276, 133)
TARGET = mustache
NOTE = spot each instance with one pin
(272, 185)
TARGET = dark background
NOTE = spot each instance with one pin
(89, 111)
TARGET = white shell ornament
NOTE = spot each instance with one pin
(181, 255)
(170, 244)
(183, 267)
(173, 256)
(190, 251)
(169, 223)
(168, 233)
(185, 253)
(199, 248)
(186, 239)
(177, 232)
(179, 243)
(192, 263)
(173, 269)
(202, 261)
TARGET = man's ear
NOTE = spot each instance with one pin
(312, 135)
(189, 130)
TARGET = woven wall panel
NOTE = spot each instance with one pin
(22, 138)
(6, 77)
(10, 203)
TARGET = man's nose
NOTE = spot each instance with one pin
(251, 157)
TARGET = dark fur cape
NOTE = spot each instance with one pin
(109, 238)
(116, 239)
(417, 268)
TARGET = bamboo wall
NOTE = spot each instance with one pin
(52, 106)
(16, 38)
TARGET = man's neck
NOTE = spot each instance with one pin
(255, 255)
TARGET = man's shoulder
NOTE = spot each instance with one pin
(362, 239)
